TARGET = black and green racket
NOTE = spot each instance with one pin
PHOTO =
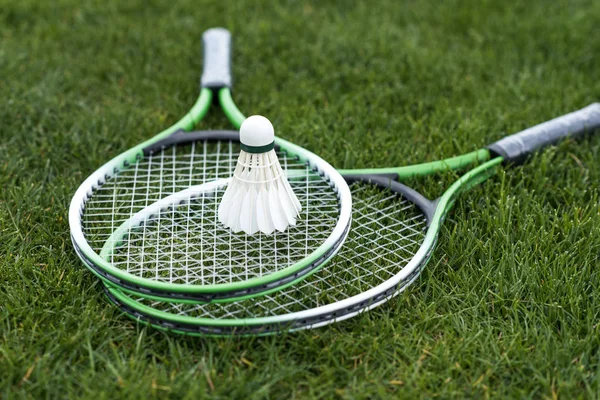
(147, 222)
(393, 234)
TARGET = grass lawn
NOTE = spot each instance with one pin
(509, 305)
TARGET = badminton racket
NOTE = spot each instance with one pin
(141, 222)
(394, 232)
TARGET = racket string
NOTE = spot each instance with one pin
(387, 232)
(185, 243)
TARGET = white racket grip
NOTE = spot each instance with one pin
(216, 73)
(517, 147)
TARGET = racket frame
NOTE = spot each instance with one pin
(329, 313)
(215, 292)
(512, 149)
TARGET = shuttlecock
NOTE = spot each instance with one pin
(259, 196)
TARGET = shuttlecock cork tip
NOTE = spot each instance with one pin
(257, 135)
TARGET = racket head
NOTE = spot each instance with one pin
(137, 225)
(380, 245)
(394, 232)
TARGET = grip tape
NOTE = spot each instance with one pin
(517, 147)
(216, 74)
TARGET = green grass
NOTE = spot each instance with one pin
(510, 308)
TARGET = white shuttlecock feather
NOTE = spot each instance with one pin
(259, 196)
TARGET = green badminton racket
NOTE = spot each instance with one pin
(393, 235)
(145, 222)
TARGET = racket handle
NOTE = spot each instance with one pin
(216, 74)
(517, 147)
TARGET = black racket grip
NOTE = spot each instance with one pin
(516, 148)
(216, 74)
